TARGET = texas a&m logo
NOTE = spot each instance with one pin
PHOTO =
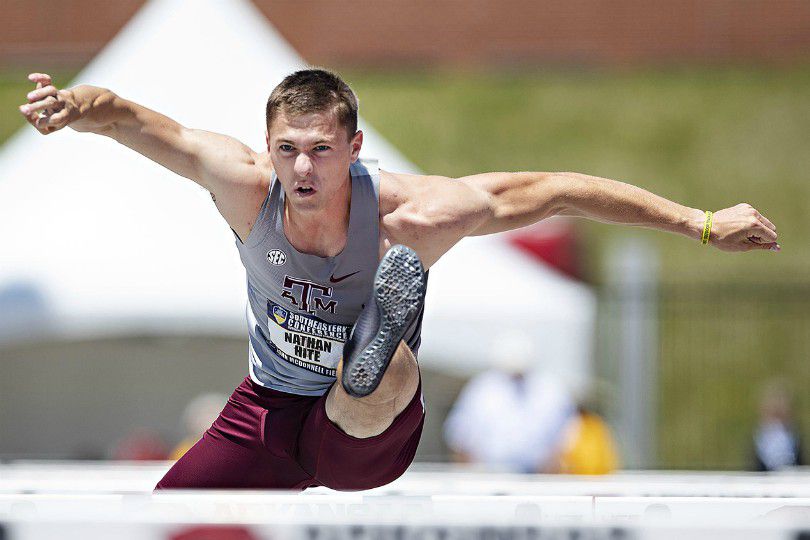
(308, 296)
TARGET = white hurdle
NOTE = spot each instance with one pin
(114, 500)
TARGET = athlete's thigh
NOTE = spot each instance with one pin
(234, 453)
(340, 461)
(210, 464)
(222, 464)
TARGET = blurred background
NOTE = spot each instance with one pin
(685, 352)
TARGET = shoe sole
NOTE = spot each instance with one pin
(399, 291)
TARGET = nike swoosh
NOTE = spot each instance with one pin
(333, 279)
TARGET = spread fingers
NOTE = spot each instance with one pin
(49, 102)
(41, 93)
(42, 79)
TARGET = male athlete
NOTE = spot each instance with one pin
(333, 290)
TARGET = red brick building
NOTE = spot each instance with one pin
(383, 33)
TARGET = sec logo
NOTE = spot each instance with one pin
(276, 257)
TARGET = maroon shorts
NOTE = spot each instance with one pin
(272, 440)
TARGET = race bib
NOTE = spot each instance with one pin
(305, 340)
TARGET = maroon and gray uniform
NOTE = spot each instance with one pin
(274, 432)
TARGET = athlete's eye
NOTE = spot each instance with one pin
(321, 148)
(286, 148)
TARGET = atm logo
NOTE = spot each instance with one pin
(308, 296)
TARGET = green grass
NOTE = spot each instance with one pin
(719, 347)
(707, 138)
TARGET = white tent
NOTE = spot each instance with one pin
(99, 240)
(485, 290)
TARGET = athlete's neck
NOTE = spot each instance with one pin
(322, 232)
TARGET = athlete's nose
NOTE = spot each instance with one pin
(303, 165)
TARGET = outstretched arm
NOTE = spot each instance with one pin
(220, 164)
(519, 199)
(444, 210)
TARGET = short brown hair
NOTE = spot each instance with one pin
(314, 90)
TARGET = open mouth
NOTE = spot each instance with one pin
(304, 190)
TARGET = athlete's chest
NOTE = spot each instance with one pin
(308, 308)
(330, 288)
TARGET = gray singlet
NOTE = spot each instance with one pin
(301, 307)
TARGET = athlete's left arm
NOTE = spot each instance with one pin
(443, 210)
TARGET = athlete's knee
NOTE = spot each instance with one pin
(403, 363)
(396, 386)
(399, 383)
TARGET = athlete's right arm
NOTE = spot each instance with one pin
(221, 164)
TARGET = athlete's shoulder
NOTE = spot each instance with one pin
(403, 191)
(255, 176)
(397, 190)
(264, 167)
(394, 192)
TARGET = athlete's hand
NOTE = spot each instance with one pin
(48, 109)
(742, 228)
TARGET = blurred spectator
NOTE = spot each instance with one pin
(140, 444)
(510, 417)
(198, 416)
(588, 447)
(777, 443)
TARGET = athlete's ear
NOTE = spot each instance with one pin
(357, 143)
(267, 139)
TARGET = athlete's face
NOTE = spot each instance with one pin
(311, 154)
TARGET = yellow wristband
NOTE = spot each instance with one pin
(707, 228)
